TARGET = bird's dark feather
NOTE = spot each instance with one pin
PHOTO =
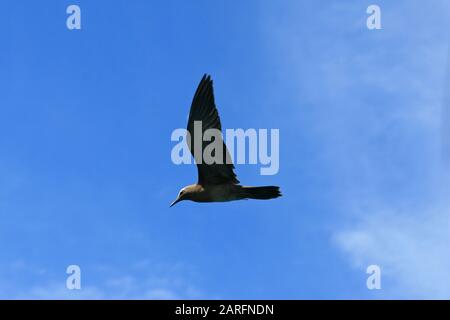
(204, 109)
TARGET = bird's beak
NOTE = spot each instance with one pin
(176, 201)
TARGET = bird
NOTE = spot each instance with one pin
(217, 182)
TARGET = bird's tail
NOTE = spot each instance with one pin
(261, 193)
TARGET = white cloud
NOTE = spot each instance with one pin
(410, 245)
(141, 280)
(127, 287)
(56, 291)
(373, 101)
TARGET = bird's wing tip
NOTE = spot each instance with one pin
(206, 77)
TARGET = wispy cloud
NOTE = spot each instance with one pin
(140, 281)
(402, 221)
(409, 244)
(374, 105)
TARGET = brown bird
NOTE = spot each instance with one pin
(217, 182)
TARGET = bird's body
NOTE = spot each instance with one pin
(217, 181)
(213, 193)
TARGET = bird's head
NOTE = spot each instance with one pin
(184, 194)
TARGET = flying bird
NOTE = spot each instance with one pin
(217, 182)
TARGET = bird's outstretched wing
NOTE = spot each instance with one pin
(204, 109)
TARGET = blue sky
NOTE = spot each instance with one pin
(86, 176)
